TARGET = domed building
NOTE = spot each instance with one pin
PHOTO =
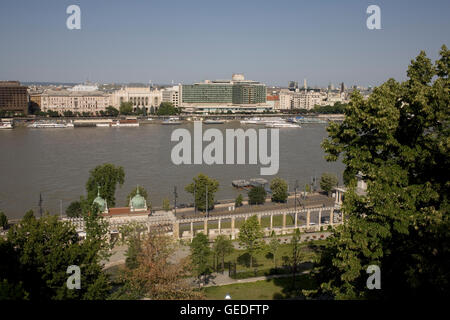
(138, 202)
(102, 204)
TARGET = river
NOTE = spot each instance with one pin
(56, 163)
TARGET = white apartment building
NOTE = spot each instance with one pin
(138, 96)
(300, 100)
(172, 95)
(75, 101)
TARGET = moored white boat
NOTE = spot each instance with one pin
(172, 120)
(43, 124)
(6, 124)
(282, 124)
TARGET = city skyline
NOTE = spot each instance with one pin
(189, 42)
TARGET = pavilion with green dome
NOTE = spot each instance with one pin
(138, 202)
(102, 204)
(137, 205)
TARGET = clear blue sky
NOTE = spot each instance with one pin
(185, 41)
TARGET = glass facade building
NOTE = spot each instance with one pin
(224, 92)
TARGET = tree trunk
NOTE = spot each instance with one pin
(251, 261)
(223, 263)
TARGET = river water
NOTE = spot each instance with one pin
(56, 163)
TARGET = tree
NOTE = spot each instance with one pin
(142, 192)
(328, 181)
(3, 220)
(200, 252)
(274, 246)
(250, 236)
(167, 109)
(166, 204)
(131, 232)
(238, 201)
(126, 108)
(156, 275)
(296, 256)
(398, 139)
(35, 257)
(74, 210)
(111, 111)
(105, 176)
(257, 195)
(28, 215)
(222, 247)
(279, 188)
(200, 183)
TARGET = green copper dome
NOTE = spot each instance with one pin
(138, 201)
(100, 201)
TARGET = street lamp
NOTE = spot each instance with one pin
(207, 214)
(175, 195)
(195, 204)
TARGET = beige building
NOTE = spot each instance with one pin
(300, 100)
(63, 100)
(138, 96)
(172, 95)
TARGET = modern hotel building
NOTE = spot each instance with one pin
(232, 95)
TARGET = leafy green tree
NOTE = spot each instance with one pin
(257, 195)
(250, 236)
(107, 176)
(74, 210)
(279, 188)
(328, 181)
(296, 256)
(3, 220)
(238, 201)
(166, 204)
(398, 139)
(29, 215)
(200, 183)
(111, 111)
(200, 252)
(126, 108)
(274, 246)
(167, 109)
(35, 257)
(222, 247)
(132, 234)
(142, 192)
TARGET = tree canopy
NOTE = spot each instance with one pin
(279, 188)
(398, 139)
(257, 195)
(200, 183)
(328, 181)
(107, 177)
(250, 236)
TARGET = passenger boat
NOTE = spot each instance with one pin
(254, 120)
(6, 124)
(282, 124)
(172, 120)
(126, 123)
(212, 121)
(43, 124)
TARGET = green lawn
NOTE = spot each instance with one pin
(263, 260)
(277, 288)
